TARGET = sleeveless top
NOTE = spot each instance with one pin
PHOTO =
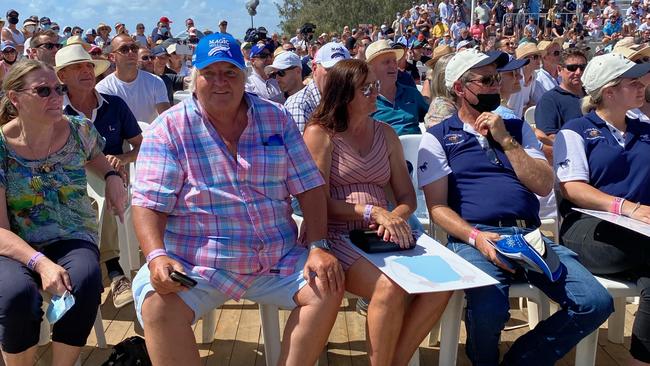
(19, 37)
(359, 179)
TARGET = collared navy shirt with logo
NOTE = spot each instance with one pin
(482, 184)
(556, 107)
(621, 171)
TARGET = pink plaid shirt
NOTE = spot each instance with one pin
(229, 218)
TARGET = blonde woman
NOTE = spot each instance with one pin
(442, 106)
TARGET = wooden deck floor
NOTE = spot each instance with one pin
(238, 340)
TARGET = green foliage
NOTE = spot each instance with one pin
(332, 15)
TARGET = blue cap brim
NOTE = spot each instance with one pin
(206, 63)
(514, 65)
(636, 71)
(494, 57)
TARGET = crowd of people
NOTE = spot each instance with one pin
(270, 126)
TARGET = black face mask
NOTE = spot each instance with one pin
(486, 102)
(12, 20)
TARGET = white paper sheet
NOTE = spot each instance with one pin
(429, 267)
(624, 221)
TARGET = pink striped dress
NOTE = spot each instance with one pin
(356, 179)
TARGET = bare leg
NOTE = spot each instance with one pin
(64, 355)
(308, 326)
(385, 311)
(168, 332)
(25, 358)
(633, 362)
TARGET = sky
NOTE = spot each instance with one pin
(206, 13)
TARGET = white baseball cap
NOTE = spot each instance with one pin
(283, 61)
(605, 68)
(471, 59)
(331, 53)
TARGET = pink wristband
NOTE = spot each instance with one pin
(34, 260)
(155, 254)
(617, 205)
(472, 236)
(367, 212)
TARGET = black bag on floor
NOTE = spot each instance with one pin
(130, 352)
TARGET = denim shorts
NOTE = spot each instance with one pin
(204, 297)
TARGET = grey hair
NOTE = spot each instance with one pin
(438, 88)
(593, 100)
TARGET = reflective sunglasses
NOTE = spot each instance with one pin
(148, 58)
(281, 73)
(370, 88)
(45, 91)
(575, 67)
(487, 80)
(50, 45)
(128, 48)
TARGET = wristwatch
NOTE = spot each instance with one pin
(320, 244)
(510, 144)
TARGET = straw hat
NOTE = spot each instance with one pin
(632, 52)
(76, 54)
(102, 25)
(438, 52)
(527, 49)
(380, 47)
(78, 40)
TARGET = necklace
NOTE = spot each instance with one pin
(45, 167)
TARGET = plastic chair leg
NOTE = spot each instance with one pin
(99, 330)
(586, 350)
(616, 322)
(270, 319)
(209, 326)
(450, 329)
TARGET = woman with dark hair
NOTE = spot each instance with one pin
(363, 165)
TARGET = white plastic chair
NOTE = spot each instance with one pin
(410, 147)
(529, 116)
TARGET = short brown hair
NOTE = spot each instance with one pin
(570, 53)
(35, 41)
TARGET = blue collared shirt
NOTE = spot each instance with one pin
(406, 113)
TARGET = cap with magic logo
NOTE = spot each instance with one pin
(218, 47)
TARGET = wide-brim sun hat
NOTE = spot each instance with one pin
(527, 49)
(471, 59)
(76, 54)
(632, 52)
(605, 68)
(381, 47)
(102, 25)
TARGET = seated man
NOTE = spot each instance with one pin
(211, 200)
(479, 174)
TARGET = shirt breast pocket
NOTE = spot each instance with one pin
(269, 172)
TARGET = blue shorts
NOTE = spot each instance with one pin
(204, 297)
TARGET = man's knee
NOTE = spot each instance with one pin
(165, 309)
(594, 308)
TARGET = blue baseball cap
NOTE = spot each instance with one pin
(511, 64)
(217, 47)
(258, 48)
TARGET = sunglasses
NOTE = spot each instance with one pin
(370, 88)
(556, 53)
(9, 51)
(264, 55)
(56, 29)
(128, 48)
(642, 60)
(148, 58)
(575, 67)
(140, 28)
(533, 57)
(50, 46)
(487, 80)
(280, 73)
(45, 91)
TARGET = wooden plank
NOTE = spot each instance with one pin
(356, 329)
(248, 336)
(338, 346)
(227, 325)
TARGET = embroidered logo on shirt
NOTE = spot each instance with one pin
(644, 137)
(564, 164)
(274, 140)
(424, 166)
(593, 134)
(453, 139)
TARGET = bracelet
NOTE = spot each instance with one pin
(636, 207)
(155, 254)
(111, 172)
(472, 237)
(34, 260)
(617, 205)
(366, 213)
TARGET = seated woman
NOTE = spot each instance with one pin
(48, 231)
(602, 161)
(360, 158)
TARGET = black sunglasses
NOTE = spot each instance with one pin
(281, 73)
(128, 48)
(556, 53)
(6, 52)
(642, 60)
(50, 45)
(148, 58)
(263, 55)
(487, 80)
(575, 67)
(44, 91)
(533, 57)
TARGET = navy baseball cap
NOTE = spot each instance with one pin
(512, 63)
(218, 47)
(258, 48)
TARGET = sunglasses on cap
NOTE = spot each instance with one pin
(50, 46)
(371, 87)
(487, 80)
(45, 91)
(128, 48)
(281, 73)
(575, 67)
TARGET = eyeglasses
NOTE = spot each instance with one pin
(487, 80)
(575, 67)
(50, 46)
(642, 60)
(128, 48)
(533, 57)
(371, 87)
(44, 91)
(281, 73)
(293, 49)
(148, 58)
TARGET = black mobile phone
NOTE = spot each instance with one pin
(183, 279)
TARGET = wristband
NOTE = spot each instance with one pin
(34, 260)
(366, 213)
(472, 237)
(617, 205)
(111, 172)
(155, 254)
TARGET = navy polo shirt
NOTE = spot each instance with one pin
(621, 171)
(407, 112)
(555, 108)
(482, 184)
(113, 120)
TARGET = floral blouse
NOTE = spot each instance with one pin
(439, 110)
(47, 199)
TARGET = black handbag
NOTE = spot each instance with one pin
(130, 352)
(369, 242)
